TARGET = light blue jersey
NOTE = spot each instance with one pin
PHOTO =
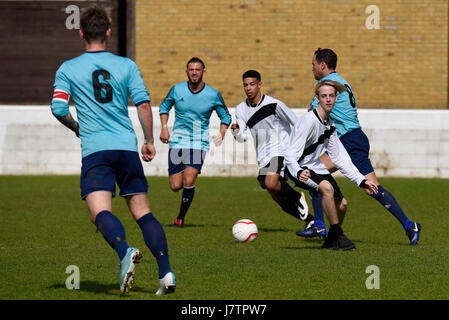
(99, 84)
(344, 113)
(192, 115)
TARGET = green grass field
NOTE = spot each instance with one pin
(45, 227)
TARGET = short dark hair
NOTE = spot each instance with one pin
(196, 60)
(328, 56)
(252, 74)
(94, 23)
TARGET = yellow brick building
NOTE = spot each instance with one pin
(402, 64)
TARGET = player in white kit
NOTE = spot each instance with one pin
(270, 122)
(312, 134)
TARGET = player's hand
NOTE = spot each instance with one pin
(235, 128)
(217, 140)
(370, 187)
(148, 152)
(165, 135)
(304, 175)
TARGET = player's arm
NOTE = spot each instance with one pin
(145, 115)
(238, 129)
(295, 148)
(164, 110)
(70, 123)
(60, 101)
(225, 117)
(286, 114)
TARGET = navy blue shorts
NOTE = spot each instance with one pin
(357, 145)
(178, 159)
(101, 170)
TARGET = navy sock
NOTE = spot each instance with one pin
(390, 203)
(113, 232)
(187, 197)
(156, 241)
(317, 203)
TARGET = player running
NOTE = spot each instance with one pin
(312, 133)
(270, 122)
(194, 103)
(99, 83)
(344, 115)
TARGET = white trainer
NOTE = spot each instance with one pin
(167, 284)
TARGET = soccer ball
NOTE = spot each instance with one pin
(244, 230)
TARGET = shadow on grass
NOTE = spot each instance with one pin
(275, 230)
(102, 288)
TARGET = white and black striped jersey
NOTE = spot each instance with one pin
(270, 123)
(309, 138)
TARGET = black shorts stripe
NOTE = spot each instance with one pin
(262, 113)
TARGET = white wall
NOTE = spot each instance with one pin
(404, 143)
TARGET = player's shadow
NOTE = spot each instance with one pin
(275, 230)
(100, 288)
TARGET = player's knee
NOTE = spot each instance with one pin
(343, 205)
(326, 189)
(272, 184)
(175, 185)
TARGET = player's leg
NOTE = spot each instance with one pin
(319, 227)
(291, 201)
(192, 160)
(97, 188)
(99, 204)
(155, 239)
(335, 238)
(133, 187)
(357, 145)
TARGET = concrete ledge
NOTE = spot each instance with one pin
(404, 143)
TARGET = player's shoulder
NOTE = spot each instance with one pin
(334, 76)
(242, 105)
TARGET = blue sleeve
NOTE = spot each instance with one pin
(168, 102)
(136, 86)
(59, 104)
(313, 104)
(222, 110)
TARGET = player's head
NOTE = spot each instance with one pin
(195, 69)
(95, 25)
(252, 82)
(324, 61)
(326, 93)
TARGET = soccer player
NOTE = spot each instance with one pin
(194, 103)
(344, 115)
(270, 122)
(312, 133)
(99, 83)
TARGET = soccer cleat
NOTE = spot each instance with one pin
(413, 233)
(179, 223)
(312, 232)
(167, 284)
(302, 206)
(342, 243)
(127, 267)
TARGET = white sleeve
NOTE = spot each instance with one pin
(296, 146)
(286, 113)
(341, 159)
(240, 136)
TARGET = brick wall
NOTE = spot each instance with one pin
(403, 64)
